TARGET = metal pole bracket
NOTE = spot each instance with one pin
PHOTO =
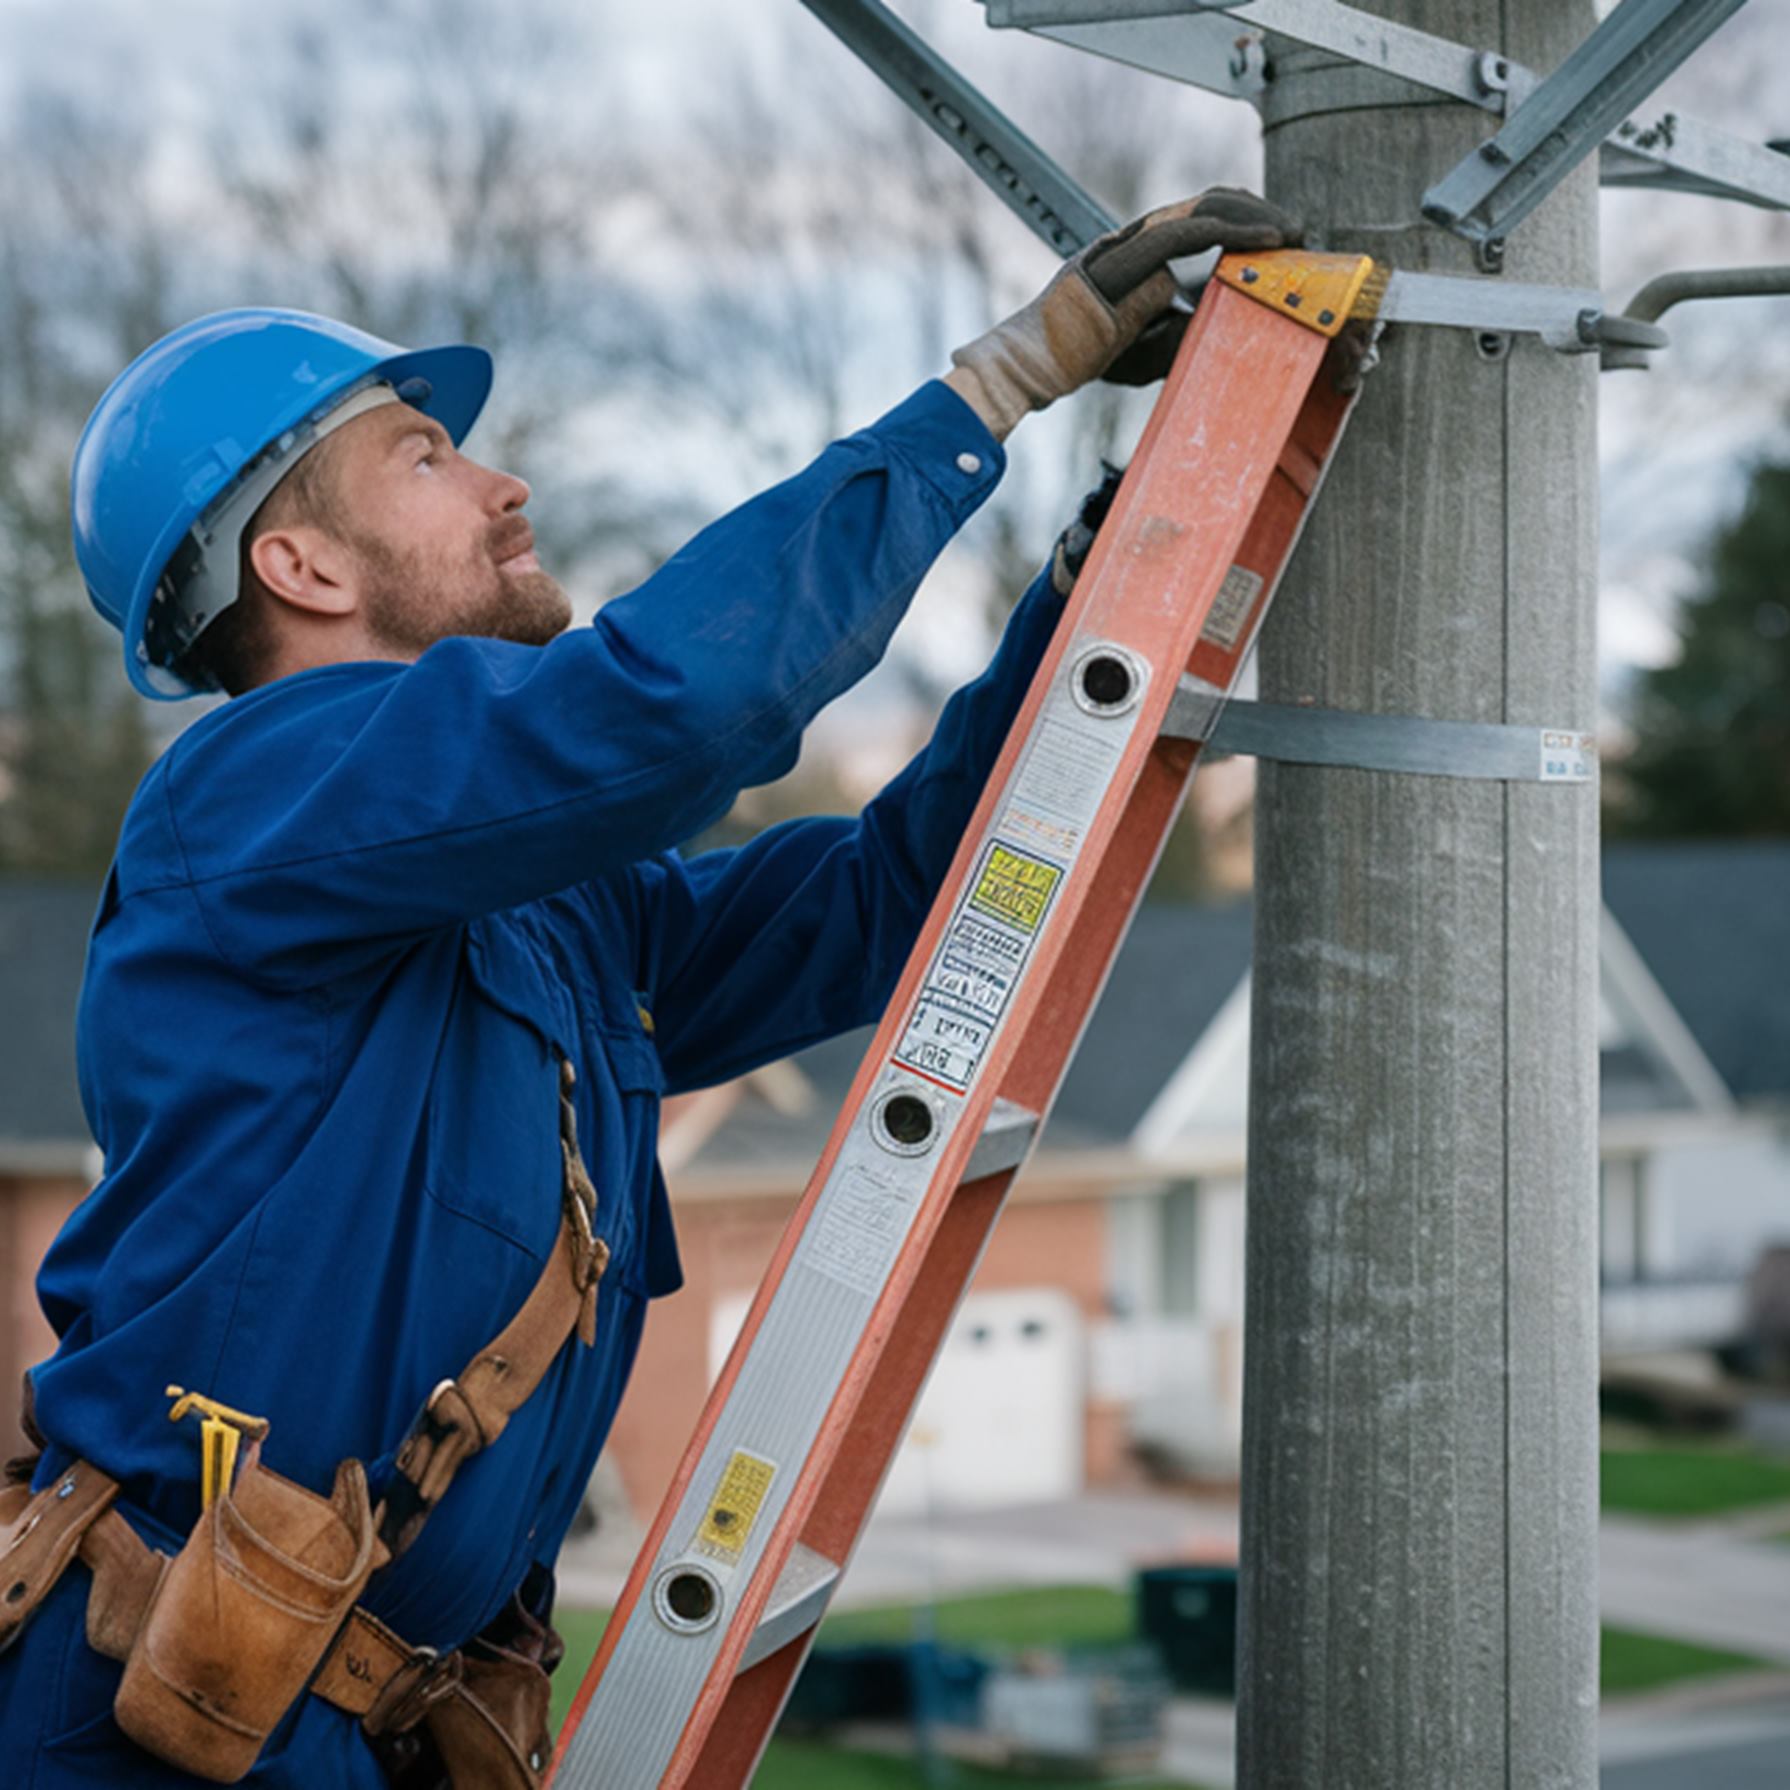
(1417, 745)
(1492, 189)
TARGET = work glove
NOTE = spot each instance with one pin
(1076, 542)
(1101, 301)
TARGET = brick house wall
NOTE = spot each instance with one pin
(1051, 1237)
(33, 1208)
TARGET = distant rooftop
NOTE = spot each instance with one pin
(1711, 921)
(43, 942)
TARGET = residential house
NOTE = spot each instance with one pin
(1104, 1331)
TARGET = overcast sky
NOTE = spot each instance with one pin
(1675, 441)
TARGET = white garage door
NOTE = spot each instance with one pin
(1000, 1421)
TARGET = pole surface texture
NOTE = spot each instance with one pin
(1419, 1481)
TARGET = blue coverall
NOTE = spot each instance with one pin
(353, 917)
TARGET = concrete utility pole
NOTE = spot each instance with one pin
(1419, 1487)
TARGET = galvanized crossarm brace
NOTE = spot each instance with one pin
(1033, 186)
(1219, 44)
(1050, 201)
(1490, 191)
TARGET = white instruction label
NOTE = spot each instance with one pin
(1568, 757)
(977, 968)
(1065, 774)
(1230, 611)
(860, 1225)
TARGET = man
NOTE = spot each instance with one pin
(385, 935)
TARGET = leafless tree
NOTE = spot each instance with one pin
(687, 300)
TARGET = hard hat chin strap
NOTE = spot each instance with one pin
(202, 578)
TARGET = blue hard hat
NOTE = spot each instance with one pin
(178, 429)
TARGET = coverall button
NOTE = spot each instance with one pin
(969, 463)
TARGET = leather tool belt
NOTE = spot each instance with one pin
(261, 1603)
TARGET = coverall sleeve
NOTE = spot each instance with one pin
(757, 951)
(345, 810)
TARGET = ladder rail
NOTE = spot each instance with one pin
(1177, 582)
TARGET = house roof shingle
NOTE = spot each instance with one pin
(1711, 920)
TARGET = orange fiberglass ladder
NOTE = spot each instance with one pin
(766, 1507)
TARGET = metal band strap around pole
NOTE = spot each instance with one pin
(1291, 733)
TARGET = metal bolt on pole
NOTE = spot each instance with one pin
(1419, 1488)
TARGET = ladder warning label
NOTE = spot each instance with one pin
(859, 1227)
(1229, 614)
(972, 979)
(1015, 888)
(1059, 791)
(1063, 777)
(727, 1524)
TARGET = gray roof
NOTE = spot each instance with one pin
(1712, 922)
(1178, 966)
(43, 943)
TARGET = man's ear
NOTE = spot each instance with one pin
(307, 568)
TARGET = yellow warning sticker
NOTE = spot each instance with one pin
(1015, 888)
(727, 1525)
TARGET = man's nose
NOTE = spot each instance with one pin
(510, 492)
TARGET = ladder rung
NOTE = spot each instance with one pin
(1193, 709)
(1004, 1141)
(797, 1602)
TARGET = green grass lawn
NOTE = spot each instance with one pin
(1057, 1615)
(1691, 1481)
(582, 1629)
(1636, 1662)
(1074, 1615)
(1049, 1616)
(807, 1765)
(1065, 1615)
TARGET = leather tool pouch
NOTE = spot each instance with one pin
(481, 1724)
(241, 1617)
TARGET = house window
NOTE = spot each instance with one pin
(1622, 1252)
(1180, 1258)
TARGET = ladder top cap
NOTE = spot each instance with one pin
(1322, 292)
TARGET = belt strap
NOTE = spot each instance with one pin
(462, 1416)
(370, 1669)
(40, 1536)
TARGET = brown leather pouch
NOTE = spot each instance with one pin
(476, 1720)
(242, 1616)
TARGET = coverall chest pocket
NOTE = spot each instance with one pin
(636, 1085)
(494, 1153)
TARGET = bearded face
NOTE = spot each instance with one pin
(419, 591)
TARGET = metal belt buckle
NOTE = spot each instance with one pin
(425, 1679)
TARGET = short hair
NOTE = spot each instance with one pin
(234, 651)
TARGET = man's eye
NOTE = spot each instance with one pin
(428, 460)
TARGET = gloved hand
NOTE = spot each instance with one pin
(1101, 301)
(1076, 542)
